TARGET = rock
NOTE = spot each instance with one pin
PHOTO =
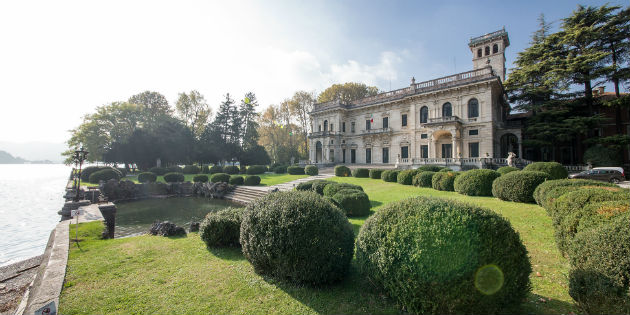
(214, 190)
(194, 226)
(166, 228)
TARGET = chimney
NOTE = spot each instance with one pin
(601, 90)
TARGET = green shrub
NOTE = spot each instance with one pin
(550, 190)
(236, 180)
(174, 177)
(332, 188)
(191, 169)
(159, 171)
(446, 169)
(405, 177)
(476, 182)
(295, 170)
(105, 175)
(361, 172)
(220, 177)
(311, 170)
(200, 178)
(252, 180)
(603, 156)
(554, 169)
(308, 186)
(390, 176)
(243, 169)
(353, 202)
(205, 169)
(88, 171)
(280, 169)
(123, 171)
(216, 169)
(222, 228)
(444, 181)
(423, 179)
(319, 186)
(431, 168)
(506, 169)
(342, 171)
(297, 236)
(231, 169)
(599, 280)
(147, 177)
(173, 169)
(256, 169)
(375, 173)
(518, 186)
(463, 259)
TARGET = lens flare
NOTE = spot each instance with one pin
(489, 279)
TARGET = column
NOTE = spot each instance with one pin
(454, 147)
(433, 149)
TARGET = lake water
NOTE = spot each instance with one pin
(30, 196)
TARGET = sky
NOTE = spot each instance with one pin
(59, 60)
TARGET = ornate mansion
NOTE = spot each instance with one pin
(458, 120)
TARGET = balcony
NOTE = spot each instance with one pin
(320, 134)
(376, 131)
(445, 120)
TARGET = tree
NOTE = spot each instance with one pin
(194, 110)
(300, 105)
(346, 92)
(152, 104)
(248, 115)
(276, 134)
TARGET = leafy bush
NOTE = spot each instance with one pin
(243, 169)
(159, 171)
(423, 179)
(88, 171)
(174, 177)
(311, 170)
(550, 190)
(353, 202)
(405, 177)
(599, 280)
(191, 169)
(222, 228)
(476, 182)
(375, 173)
(295, 170)
(256, 169)
(444, 181)
(280, 169)
(389, 176)
(252, 180)
(220, 177)
(123, 171)
(332, 188)
(342, 171)
(205, 169)
(105, 175)
(518, 186)
(147, 177)
(216, 169)
(431, 168)
(308, 186)
(506, 169)
(361, 172)
(200, 178)
(603, 156)
(231, 169)
(319, 186)
(236, 180)
(173, 169)
(446, 169)
(554, 169)
(449, 267)
(297, 236)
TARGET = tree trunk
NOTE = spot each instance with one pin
(617, 94)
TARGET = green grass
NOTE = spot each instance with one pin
(267, 179)
(180, 275)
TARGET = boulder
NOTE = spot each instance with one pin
(166, 228)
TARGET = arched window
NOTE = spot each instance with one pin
(479, 53)
(447, 110)
(424, 114)
(473, 108)
(487, 50)
(495, 48)
(325, 125)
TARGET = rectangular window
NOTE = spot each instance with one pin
(385, 155)
(368, 124)
(332, 127)
(343, 126)
(404, 152)
(343, 153)
(473, 149)
(332, 155)
(424, 151)
(368, 156)
(353, 156)
(473, 132)
(404, 120)
(385, 122)
(424, 136)
(447, 150)
(352, 127)
(319, 128)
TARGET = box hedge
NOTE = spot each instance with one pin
(280, 169)
(476, 182)
(405, 177)
(201, 178)
(332, 188)
(311, 170)
(104, 175)
(444, 181)
(307, 186)
(236, 180)
(446, 169)
(361, 172)
(424, 179)
(252, 180)
(375, 173)
(295, 170)
(191, 169)
(174, 177)
(342, 171)
(518, 186)
(222, 228)
(173, 169)
(506, 169)
(256, 169)
(430, 168)
(216, 169)
(554, 169)
(159, 171)
(147, 177)
(220, 177)
(352, 201)
(86, 172)
(231, 169)
(550, 190)
(319, 186)
(390, 176)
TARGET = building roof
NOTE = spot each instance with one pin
(490, 37)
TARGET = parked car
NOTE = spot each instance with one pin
(608, 174)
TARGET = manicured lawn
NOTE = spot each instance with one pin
(180, 275)
(267, 179)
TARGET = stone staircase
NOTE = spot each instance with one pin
(247, 194)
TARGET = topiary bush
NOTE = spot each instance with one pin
(216, 169)
(311, 170)
(550, 190)
(173, 169)
(104, 175)
(295, 170)
(191, 169)
(332, 188)
(361, 172)
(431, 168)
(518, 186)
(256, 169)
(252, 180)
(375, 173)
(174, 177)
(446, 169)
(200, 178)
(222, 228)
(280, 169)
(308, 186)
(205, 169)
(389, 176)
(506, 169)
(88, 171)
(297, 236)
(405, 177)
(602, 156)
(220, 177)
(147, 177)
(243, 169)
(319, 186)
(159, 171)
(476, 182)
(462, 260)
(231, 169)
(342, 171)
(599, 280)
(444, 181)
(236, 180)
(423, 179)
(353, 202)
(554, 169)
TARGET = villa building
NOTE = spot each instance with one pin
(455, 120)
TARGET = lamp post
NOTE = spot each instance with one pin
(79, 156)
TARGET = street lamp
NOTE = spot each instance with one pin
(79, 157)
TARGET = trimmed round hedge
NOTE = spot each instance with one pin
(295, 170)
(599, 280)
(518, 186)
(320, 185)
(222, 228)
(406, 177)
(173, 169)
(424, 179)
(191, 169)
(353, 202)
(375, 173)
(464, 259)
(88, 171)
(332, 188)
(431, 168)
(147, 177)
(174, 177)
(297, 236)
(205, 169)
(444, 181)
(231, 169)
(159, 171)
(256, 169)
(547, 192)
(252, 180)
(216, 169)
(554, 169)
(446, 169)
(200, 178)
(361, 172)
(506, 169)
(306, 186)
(476, 182)
(342, 171)
(280, 169)
(104, 175)
(311, 170)
(236, 180)
(220, 177)
(389, 176)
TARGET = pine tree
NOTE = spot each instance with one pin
(249, 116)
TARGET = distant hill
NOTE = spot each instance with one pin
(35, 151)
(6, 158)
